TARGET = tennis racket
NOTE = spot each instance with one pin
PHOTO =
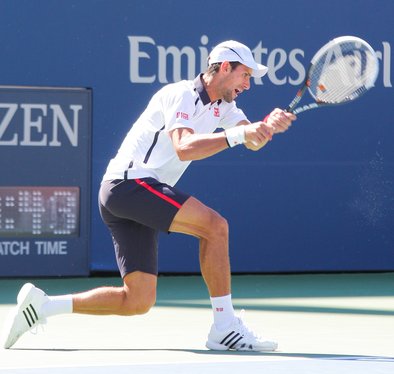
(340, 72)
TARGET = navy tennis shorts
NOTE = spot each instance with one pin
(135, 211)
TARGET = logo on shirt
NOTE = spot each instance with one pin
(182, 115)
(216, 112)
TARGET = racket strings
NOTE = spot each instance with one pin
(342, 73)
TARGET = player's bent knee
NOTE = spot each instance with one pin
(138, 304)
(218, 226)
(146, 302)
(143, 307)
(139, 293)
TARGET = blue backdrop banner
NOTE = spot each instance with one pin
(318, 198)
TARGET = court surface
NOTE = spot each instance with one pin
(335, 323)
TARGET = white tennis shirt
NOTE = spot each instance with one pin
(147, 150)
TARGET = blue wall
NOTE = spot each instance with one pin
(318, 198)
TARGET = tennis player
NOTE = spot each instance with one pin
(137, 200)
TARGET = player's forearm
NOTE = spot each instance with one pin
(200, 146)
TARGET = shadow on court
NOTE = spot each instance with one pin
(290, 308)
(204, 352)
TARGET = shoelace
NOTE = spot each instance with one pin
(244, 329)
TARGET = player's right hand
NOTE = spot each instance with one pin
(280, 120)
(259, 133)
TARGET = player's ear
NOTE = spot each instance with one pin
(225, 67)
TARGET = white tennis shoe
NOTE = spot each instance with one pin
(238, 337)
(25, 315)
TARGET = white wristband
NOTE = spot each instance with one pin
(235, 136)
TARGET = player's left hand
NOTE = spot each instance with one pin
(280, 120)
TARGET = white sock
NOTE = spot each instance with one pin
(223, 312)
(58, 305)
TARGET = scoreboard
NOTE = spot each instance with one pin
(39, 211)
(45, 168)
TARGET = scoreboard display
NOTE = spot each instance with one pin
(45, 164)
(40, 212)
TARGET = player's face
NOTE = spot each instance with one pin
(237, 80)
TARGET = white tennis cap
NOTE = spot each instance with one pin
(235, 51)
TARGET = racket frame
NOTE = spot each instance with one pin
(292, 107)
